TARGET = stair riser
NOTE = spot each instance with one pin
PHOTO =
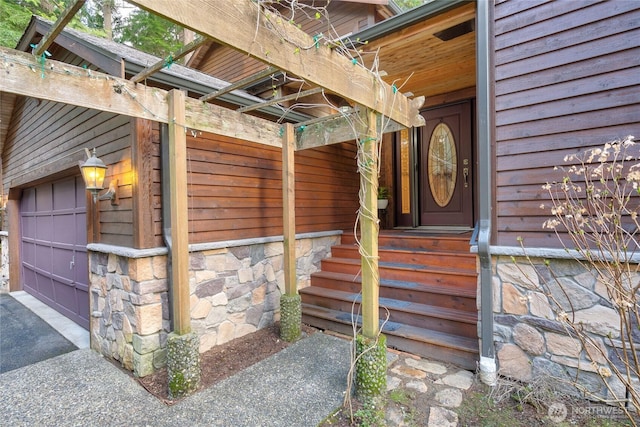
(462, 261)
(464, 359)
(418, 276)
(416, 242)
(449, 326)
(417, 294)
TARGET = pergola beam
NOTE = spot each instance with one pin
(186, 49)
(58, 26)
(239, 84)
(274, 101)
(73, 85)
(242, 25)
(338, 128)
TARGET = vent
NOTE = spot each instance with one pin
(457, 30)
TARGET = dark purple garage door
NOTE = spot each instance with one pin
(54, 247)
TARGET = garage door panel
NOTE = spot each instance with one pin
(29, 253)
(54, 240)
(28, 201)
(44, 285)
(66, 295)
(28, 226)
(43, 257)
(81, 224)
(64, 228)
(44, 201)
(29, 279)
(82, 270)
(64, 266)
(64, 195)
(44, 227)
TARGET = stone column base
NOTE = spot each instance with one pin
(290, 317)
(371, 366)
(183, 364)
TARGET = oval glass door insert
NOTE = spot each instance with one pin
(442, 164)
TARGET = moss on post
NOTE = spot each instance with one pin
(290, 317)
(371, 366)
(183, 364)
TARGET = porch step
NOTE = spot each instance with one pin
(436, 345)
(421, 256)
(416, 240)
(441, 319)
(426, 274)
(427, 282)
(442, 296)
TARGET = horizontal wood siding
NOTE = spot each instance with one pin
(566, 80)
(45, 133)
(235, 189)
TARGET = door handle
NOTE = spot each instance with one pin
(465, 175)
(72, 262)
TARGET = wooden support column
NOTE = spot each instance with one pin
(179, 213)
(289, 209)
(290, 301)
(369, 229)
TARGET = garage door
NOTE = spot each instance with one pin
(54, 247)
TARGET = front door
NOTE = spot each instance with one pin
(445, 173)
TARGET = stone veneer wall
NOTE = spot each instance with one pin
(531, 344)
(4, 262)
(235, 289)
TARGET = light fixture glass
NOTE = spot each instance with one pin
(93, 173)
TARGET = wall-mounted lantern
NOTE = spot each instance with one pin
(93, 172)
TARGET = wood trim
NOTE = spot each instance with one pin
(289, 209)
(15, 257)
(142, 192)
(179, 213)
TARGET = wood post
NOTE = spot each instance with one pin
(369, 227)
(289, 209)
(179, 213)
(290, 301)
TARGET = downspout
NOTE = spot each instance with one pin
(166, 203)
(484, 70)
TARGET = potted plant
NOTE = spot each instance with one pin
(383, 197)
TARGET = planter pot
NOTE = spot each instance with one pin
(383, 203)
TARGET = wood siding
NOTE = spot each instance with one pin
(566, 80)
(235, 189)
(46, 140)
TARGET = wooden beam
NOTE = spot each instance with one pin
(73, 85)
(186, 49)
(14, 249)
(239, 84)
(142, 159)
(337, 128)
(291, 97)
(243, 25)
(369, 229)
(289, 209)
(179, 214)
(57, 28)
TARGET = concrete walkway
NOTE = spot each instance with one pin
(299, 386)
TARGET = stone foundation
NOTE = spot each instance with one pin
(532, 345)
(235, 289)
